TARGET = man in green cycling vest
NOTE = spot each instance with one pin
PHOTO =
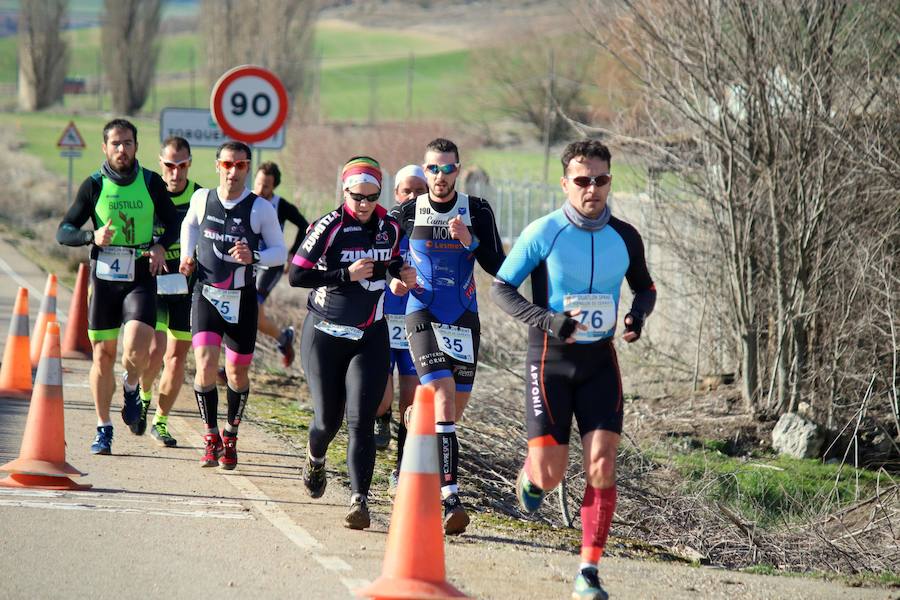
(122, 200)
(172, 339)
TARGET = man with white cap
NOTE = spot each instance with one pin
(409, 183)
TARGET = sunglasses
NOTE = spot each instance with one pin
(175, 165)
(445, 169)
(585, 181)
(370, 198)
(239, 165)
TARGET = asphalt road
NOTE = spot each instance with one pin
(156, 525)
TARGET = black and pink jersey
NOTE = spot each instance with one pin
(332, 244)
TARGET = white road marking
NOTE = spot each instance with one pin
(121, 497)
(281, 521)
(122, 509)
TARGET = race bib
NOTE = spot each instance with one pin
(171, 284)
(227, 302)
(454, 341)
(598, 313)
(115, 263)
(397, 332)
(339, 331)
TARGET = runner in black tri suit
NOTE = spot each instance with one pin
(346, 257)
(172, 341)
(226, 226)
(577, 257)
(268, 178)
(448, 231)
(122, 200)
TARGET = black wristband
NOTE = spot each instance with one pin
(256, 257)
(562, 326)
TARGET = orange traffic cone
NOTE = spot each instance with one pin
(414, 556)
(42, 456)
(46, 315)
(76, 343)
(15, 372)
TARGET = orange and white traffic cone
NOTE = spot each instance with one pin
(42, 456)
(15, 372)
(46, 315)
(414, 556)
(75, 342)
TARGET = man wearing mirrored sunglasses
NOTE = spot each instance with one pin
(577, 257)
(448, 231)
(172, 339)
(123, 200)
(231, 229)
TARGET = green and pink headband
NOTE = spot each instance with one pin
(361, 169)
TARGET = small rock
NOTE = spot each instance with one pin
(797, 436)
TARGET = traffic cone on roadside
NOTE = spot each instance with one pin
(47, 314)
(15, 372)
(76, 343)
(42, 456)
(414, 555)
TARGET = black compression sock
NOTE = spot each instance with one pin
(401, 439)
(208, 403)
(448, 451)
(237, 401)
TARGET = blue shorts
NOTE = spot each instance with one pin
(404, 362)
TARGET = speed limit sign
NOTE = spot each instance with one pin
(249, 104)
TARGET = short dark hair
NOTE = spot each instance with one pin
(234, 147)
(587, 149)
(177, 142)
(442, 145)
(270, 168)
(119, 124)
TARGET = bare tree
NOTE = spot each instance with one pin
(785, 117)
(275, 34)
(43, 53)
(130, 51)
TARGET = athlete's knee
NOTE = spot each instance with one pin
(600, 471)
(104, 354)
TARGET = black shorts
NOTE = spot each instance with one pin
(431, 360)
(562, 380)
(266, 280)
(173, 314)
(209, 327)
(113, 302)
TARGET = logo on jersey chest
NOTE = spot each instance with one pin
(218, 236)
(376, 254)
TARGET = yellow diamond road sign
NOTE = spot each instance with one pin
(70, 137)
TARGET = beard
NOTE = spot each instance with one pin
(445, 193)
(124, 167)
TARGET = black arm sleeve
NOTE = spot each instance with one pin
(165, 211)
(637, 275)
(513, 303)
(69, 232)
(405, 215)
(289, 212)
(489, 252)
(313, 278)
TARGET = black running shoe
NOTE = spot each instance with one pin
(455, 518)
(314, 478)
(140, 426)
(383, 431)
(131, 404)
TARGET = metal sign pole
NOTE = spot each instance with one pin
(70, 179)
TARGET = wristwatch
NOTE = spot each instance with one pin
(256, 256)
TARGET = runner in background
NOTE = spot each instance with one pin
(173, 303)
(409, 184)
(267, 180)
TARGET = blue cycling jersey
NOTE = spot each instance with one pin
(566, 263)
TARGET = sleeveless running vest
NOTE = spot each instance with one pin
(182, 203)
(444, 266)
(219, 230)
(129, 207)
